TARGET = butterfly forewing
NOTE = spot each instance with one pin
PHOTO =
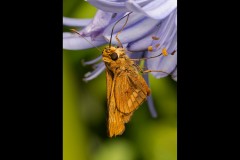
(116, 119)
(109, 79)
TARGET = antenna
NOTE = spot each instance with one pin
(110, 42)
(74, 30)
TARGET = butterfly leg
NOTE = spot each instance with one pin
(137, 66)
(147, 71)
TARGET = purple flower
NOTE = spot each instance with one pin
(149, 18)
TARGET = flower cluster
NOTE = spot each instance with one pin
(151, 23)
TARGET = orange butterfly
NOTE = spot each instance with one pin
(126, 88)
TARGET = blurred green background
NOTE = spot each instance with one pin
(85, 111)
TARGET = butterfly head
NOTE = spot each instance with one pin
(112, 53)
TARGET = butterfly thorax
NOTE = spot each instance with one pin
(116, 60)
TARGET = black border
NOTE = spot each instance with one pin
(33, 84)
(203, 77)
(188, 88)
(51, 75)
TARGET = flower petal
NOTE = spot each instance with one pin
(141, 44)
(76, 22)
(72, 41)
(114, 6)
(98, 24)
(173, 46)
(134, 32)
(158, 9)
(165, 64)
(109, 6)
(91, 75)
(135, 55)
(92, 61)
(132, 20)
(167, 30)
(67, 34)
(174, 74)
(151, 107)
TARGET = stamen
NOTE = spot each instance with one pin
(155, 38)
(157, 45)
(164, 52)
(173, 52)
(150, 48)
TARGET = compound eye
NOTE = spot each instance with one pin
(114, 56)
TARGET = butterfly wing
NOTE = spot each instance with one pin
(125, 93)
(130, 90)
(116, 119)
(109, 78)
